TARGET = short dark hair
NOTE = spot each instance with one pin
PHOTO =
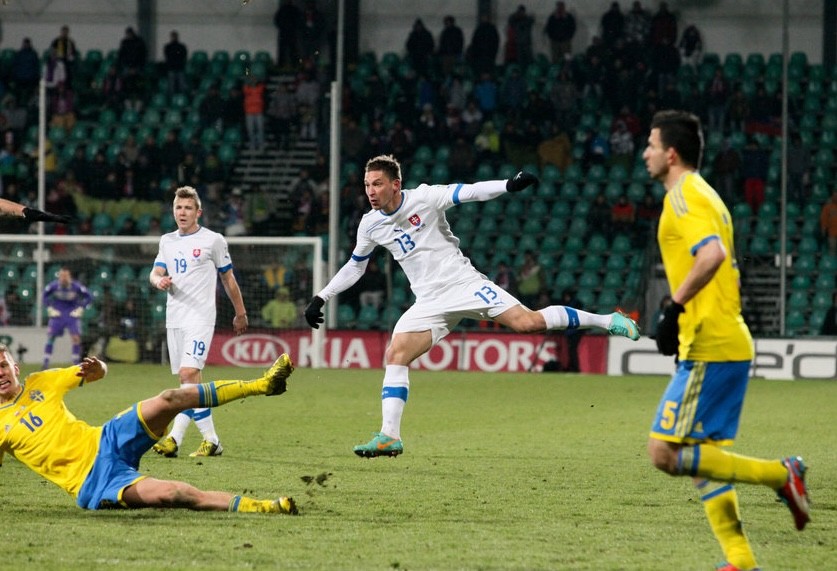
(681, 130)
(386, 163)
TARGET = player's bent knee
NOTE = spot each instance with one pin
(663, 457)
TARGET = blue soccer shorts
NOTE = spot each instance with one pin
(702, 403)
(125, 438)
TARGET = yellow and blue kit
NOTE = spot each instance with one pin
(92, 463)
(704, 399)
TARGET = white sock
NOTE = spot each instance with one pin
(178, 429)
(564, 317)
(204, 422)
(393, 398)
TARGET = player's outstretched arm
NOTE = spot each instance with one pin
(31, 214)
(91, 369)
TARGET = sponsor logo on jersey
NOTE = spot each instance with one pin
(415, 220)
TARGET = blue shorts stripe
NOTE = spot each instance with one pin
(234, 503)
(572, 316)
(395, 393)
(202, 396)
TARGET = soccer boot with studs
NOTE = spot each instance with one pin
(380, 445)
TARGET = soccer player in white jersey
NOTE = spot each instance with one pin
(411, 224)
(186, 267)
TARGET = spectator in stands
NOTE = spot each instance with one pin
(560, 29)
(377, 139)
(353, 141)
(485, 43)
(233, 108)
(25, 71)
(281, 109)
(598, 217)
(799, 163)
(487, 94)
(829, 324)
(612, 24)
(564, 96)
(623, 217)
(663, 27)
(65, 50)
(453, 91)
(62, 108)
(725, 171)
(828, 223)
(113, 92)
(211, 109)
(738, 109)
(55, 72)
(254, 104)
(176, 56)
(637, 25)
(487, 143)
(555, 150)
(621, 146)
(280, 312)
(287, 20)
(513, 93)
(519, 37)
(312, 31)
(148, 165)
(665, 62)
(132, 53)
(188, 170)
(754, 164)
(234, 219)
(647, 214)
(171, 155)
(18, 307)
(451, 45)
(717, 93)
(60, 201)
(691, 46)
(420, 47)
(401, 139)
(530, 279)
(462, 160)
(505, 278)
(596, 148)
(472, 119)
(429, 129)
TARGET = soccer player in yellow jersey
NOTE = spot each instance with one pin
(98, 465)
(700, 409)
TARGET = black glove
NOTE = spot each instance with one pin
(314, 313)
(668, 330)
(35, 215)
(521, 181)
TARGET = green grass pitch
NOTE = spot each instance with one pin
(500, 471)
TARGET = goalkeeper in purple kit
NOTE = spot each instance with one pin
(65, 300)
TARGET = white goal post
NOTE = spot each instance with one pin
(115, 269)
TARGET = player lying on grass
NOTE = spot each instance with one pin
(98, 465)
(411, 224)
(9, 208)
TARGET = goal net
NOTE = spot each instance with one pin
(126, 320)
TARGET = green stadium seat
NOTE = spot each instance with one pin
(795, 322)
(593, 262)
(346, 316)
(607, 301)
(798, 300)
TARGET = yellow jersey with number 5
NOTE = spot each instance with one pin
(712, 328)
(40, 432)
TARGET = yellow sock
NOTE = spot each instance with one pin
(249, 505)
(720, 502)
(216, 393)
(713, 463)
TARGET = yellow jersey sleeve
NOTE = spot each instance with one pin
(712, 328)
(40, 432)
